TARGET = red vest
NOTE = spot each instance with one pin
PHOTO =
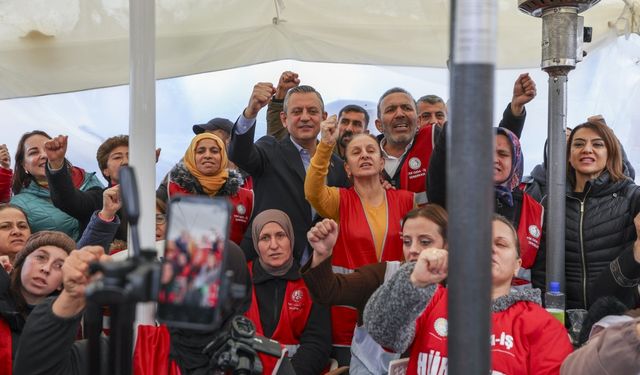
(242, 203)
(413, 171)
(151, 353)
(529, 233)
(355, 248)
(6, 346)
(294, 314)
(525, 339)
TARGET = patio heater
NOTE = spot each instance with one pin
(563, 34)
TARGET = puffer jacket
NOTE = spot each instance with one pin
(599, 228)
(35, 200)
(181, 181)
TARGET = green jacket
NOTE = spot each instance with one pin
(35, 200)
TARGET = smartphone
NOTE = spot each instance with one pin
(191, 282)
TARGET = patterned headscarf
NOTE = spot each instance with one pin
(210, 184)
(504, 188)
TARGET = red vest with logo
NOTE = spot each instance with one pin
(296, 308)
(529, 233)
(525, 339)
(413, 171)
(6, 345)
(242, 203)
(355, 248)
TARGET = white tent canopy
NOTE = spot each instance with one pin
(52, 46)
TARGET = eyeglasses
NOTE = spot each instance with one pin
(161, 219)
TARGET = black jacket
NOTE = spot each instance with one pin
(437, 173)
(48, 344)
(315, 343)
(599, 236)
(536, 183)
(79, 204)
(278, 182)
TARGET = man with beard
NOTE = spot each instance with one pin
(352, 120)
(407, 148)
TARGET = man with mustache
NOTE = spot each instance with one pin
(407, 148)
(279, 166)
(352, 120)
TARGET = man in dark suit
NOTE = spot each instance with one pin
(278, 167)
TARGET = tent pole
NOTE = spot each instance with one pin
(470, 139)
(142, 124)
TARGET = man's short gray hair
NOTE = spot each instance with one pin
(303, 89)
(394, 90)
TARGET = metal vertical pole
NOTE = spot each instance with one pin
(142, 122)
(559, 48)
(562, 32)
(556, 177)
(470, 140)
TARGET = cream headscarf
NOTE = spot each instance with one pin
(210, 184)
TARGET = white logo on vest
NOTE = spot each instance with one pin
(241, 209)
(441, 326)
(414, 163)
(534, 231)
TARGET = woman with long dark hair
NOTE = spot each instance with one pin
(31, 191)
(601, 204)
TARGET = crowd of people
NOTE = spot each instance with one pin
(340, 238)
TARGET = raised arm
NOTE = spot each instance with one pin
(275, 128)
(391, 313)
(513, 117)
(64, 195)
(242, 150)
(104, 224)
(325, 199)
(329, 288)
(6, 174)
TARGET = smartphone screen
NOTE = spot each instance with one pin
(194, 257)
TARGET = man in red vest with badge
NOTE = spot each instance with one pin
(407, 148)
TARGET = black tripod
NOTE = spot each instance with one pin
(122, 286)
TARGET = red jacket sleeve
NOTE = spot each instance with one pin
(549, 344)
(6, 177)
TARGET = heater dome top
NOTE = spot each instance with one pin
(536, 7)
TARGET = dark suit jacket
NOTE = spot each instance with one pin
(278, 182)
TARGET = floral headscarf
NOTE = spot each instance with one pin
(504, 188)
